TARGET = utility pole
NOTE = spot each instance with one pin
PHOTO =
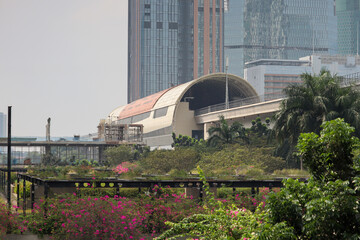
(9, 159)
(226, 84)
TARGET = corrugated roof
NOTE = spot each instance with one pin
(171, 96)
(141, 105)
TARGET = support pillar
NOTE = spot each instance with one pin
(206, 128)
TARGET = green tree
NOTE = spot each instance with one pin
(163, 161)
(225, 134)
(319, 98)
(327, 207)
(329, 156)
(117, 155)
(183, 141)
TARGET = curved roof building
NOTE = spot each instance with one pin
(172, 110)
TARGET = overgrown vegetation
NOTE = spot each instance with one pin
(327, 207)
(319, 98)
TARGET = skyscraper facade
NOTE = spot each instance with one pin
(3, 125)
(278, 29)
(172, 42)
(348, 14)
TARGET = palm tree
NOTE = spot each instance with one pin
(319, 98)
(225, 134)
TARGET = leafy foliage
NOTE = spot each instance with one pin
(185, 141)
(117, 155)
(162, 161)
(9, 221)
(317, 211)
(320, 98)
(225, 134)
(329, 156)
(234, 159)
(220, 222)
(327, 207)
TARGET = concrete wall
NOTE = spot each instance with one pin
(184, 121)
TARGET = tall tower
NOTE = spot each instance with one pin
(172, 42)
(278, 29)
(348, 14)
(3, 122)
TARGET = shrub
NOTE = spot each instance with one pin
(228, 160)
(117, 155)
(162, 161)
(90, 218)
(9, 222)
(327, 207)
(161, 205)
(227, 222)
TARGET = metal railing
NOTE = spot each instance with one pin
(349, 79)
(345, 81)
(239, 103)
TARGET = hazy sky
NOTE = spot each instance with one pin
(64, 59)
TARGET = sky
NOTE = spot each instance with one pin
(63, 59)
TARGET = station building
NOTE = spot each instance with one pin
(173, 110)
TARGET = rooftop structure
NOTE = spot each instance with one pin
(270, 76)
(172, 110)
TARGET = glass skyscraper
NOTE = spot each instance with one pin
(3, 120)
(172, 42)
(278, 29)
(348, 14)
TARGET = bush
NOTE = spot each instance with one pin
(317, 211)
(327, 207)
(162, 205)
(233, 158)
(162, 161)
(227, 222)
(86, 218)
(117, 155)
(9, 222)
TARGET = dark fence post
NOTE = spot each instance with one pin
(32, 196)
(9, 159)
(24, 196)
(18, 191)
(253, 191)
(201, 195)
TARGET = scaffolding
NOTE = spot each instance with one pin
(114, 132)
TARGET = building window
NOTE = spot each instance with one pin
(160, 112)
(173, 25)
(159, 25)
(147, 24)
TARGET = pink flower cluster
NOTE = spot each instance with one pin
(9, 222)
(124, 167)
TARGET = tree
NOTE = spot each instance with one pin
(326, 207)
(329, 156)
(183, 141)
(117, 155)
(319, 98)
(163, 161)
(225, 134)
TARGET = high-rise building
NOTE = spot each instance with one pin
(270, 76)
(348, 15)
(172, 42)
(278, 29)
(3, 125)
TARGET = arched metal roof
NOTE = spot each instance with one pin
(141, 105)
(204, 91)
(207, 90)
